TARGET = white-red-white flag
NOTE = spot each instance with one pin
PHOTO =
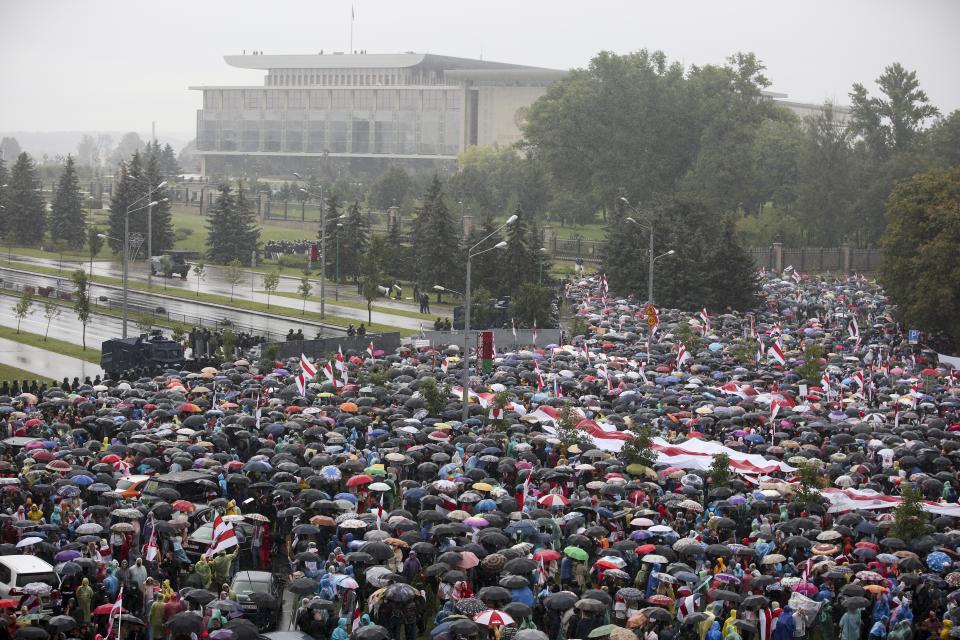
(682, 356)
(224, 537)
(115, 611)
(705, 319)
(776, 352)
(534, 331)
(444, 365)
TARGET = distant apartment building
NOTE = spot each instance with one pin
(367, 108)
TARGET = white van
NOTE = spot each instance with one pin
(16, 572)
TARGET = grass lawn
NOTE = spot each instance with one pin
(13, 373)
(353, 304)
(52, 344)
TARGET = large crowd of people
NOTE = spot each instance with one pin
(387, 516)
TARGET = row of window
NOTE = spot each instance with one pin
(324, 99)
(357, 136)
(351, 77)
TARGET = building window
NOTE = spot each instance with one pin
(432, 100)
(320, 99)
(251, 100)
(365, 99)
(386, 100)
(293, 136)
(453, 101)
(316, 137)
(342, 99)
(296, 100)
(409, 100)
(339, 136)
(361, 136)
(251, 136)
(211, 99)
(384, 135)
(273, 100)
(231, 99)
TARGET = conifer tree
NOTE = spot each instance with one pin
(245, 227)
(26, 212)
(67, 218)
(331, 217)
(4, 197)
(161, 218)
(125, 193)
(221, 239)
(353, 241)
(436, 254)
(518, 262)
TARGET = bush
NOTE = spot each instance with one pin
(579, 327)
(294, 261)
(180, 234)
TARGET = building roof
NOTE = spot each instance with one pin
(364, 60)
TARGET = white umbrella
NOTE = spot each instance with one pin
(26, 542)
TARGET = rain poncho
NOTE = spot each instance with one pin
(85, 598)
(850, 624)
(340, 633)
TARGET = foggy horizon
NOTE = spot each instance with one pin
(85, 67)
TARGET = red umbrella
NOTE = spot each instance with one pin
(42, 455)
(184, 505)
(105, 609)
(188, 407)
(547, 555)
(7, 603)
(358, 481)
(553, 500)
(492, 617)
(659, 600)
(110, 458)
(644, 549)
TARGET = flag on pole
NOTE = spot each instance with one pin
(150, 550)
(444, 364)
(513, 327)
(758, 356)
(536, 370)
(526, 491)
(307, 372)
(705, 319)
(682, 356)
(329, 374)
(224, 537)
(370, 350)
(380, 511)
(356, 618)
(342, 365)
(853, 329)
(557, 389)
(534, 331)
(776, 352)
(115, 612)
(825, 383)
(766, 620)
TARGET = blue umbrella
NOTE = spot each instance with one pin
(715, 346)
(82, 480)
(414, 494)
(485, 505)
(938, 561)
(257, 465)
(754, 437)
(349, 497)
(69, 491)
(331, 473)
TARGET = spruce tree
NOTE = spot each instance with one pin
(484, 270)
(245, 227)
(436, 253)
(125, 193)
(4, 197)
(168, 163)
(518, 263)
(354, 241)
(221, 239)
(67, 218)
(734, 276)
(331, 217)
(26, 211)
(161, 216)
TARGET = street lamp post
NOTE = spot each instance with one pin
(126, 255)
(465, 380)
(323, 246)
(336, 287)
(650, 255)
(147, 196)
(540, 254)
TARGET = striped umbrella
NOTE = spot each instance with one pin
(493, 617)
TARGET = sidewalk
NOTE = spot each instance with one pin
(45, 363)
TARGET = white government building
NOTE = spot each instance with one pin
(368, 108)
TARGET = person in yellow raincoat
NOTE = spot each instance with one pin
(85, 598)
(728, 626)
(232, 509)
(35, 514)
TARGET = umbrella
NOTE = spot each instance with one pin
(185, 623)
(576, 553)
(493, 617)
(303, 585)
(371, 632)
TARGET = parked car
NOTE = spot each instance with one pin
(252, 588)
(18, 571)
(131, 486)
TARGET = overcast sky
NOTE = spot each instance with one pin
(120, 64)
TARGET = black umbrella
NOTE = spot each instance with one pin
(62, 623)
(400, 592)
(520, 566)
(201, 597)
(31, 633)
(243, 629)
(494, 594)
(186, 622)
(303, 585)
(371, 632)
(856, 603)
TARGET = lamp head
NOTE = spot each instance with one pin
(671, 252)
(437, 287)
(297, 175)
(629, 219)
(152, 204)
(511, 219)
(502, 243)
(161, 185)
(624, 200)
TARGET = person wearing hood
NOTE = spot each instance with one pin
(850, 624)
(728, 623)
(714, 632)
(84, 597)
(785, 625)
(902, 630)
(340, 633)
(879, 629)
